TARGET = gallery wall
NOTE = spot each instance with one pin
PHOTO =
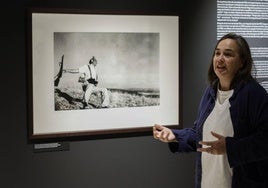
(134, 161)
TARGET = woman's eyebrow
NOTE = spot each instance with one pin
(228, 50)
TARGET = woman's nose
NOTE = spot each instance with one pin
(221, 58)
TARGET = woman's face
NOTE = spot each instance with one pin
(226, 61)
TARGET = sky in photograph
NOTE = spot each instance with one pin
(125, 60)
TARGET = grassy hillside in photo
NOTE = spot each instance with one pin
(71, 98)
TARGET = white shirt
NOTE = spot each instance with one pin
(216, 171)
(88, 73)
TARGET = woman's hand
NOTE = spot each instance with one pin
(217, 147)
(163, 134)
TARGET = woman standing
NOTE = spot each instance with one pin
(231, 129)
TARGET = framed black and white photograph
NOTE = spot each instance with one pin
(97, 73)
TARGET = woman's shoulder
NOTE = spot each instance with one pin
(254, 88)
(252, 84)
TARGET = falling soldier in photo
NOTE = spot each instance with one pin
(89, 80)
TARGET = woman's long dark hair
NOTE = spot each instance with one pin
(244, 73)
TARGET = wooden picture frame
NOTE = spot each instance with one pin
(138, 64)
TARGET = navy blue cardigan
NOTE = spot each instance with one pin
(247, 151)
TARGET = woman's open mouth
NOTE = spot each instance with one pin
(221, 68)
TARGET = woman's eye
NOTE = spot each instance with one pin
(217, 53)
(228, 55)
